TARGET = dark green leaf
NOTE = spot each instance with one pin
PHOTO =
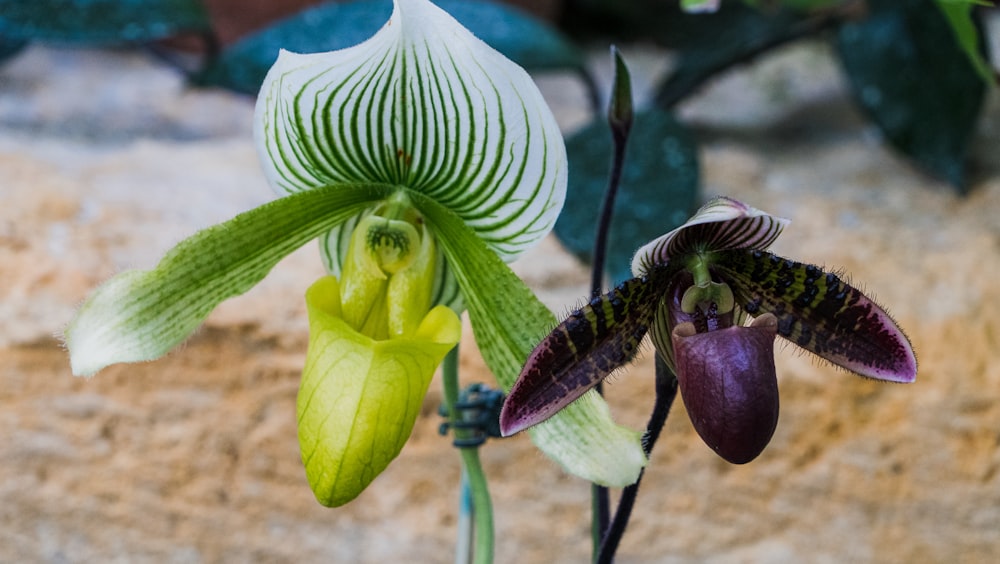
(710, 43)
(10, 47)
(100, 21)
(797, 5)
(963, 25)
(328, 27)
(635, 20)
(914, 80)
(519, 36)
(658, 187)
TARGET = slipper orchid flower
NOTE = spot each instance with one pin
(422, 160)
(694, 289)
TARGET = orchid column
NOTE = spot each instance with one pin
(422, 160)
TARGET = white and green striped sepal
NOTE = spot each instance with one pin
(424, 105)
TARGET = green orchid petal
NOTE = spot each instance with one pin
(142, 314)
(508, 320)
(360, 397)
(425, 105)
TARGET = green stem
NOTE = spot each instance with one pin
(480, 505)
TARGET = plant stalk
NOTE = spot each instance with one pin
(620, 121)
(666, 393)
(475, 502)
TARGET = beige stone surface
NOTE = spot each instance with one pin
(193, 458)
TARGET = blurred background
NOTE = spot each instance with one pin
(117, 142)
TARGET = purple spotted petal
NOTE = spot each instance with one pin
(821, 313)
(728, 385)
(590, 344)
(721, 224)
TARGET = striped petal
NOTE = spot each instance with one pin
(721, 224)
(425, 105)
(141, 314)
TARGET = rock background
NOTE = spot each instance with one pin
(107, 160)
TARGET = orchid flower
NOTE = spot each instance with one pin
(422, 160)
(694, 289)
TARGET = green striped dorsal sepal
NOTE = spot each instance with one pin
(425, 105)
(820, 312)
(721, 224)
(584, 349)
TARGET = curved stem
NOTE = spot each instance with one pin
(475, 496)
(620, 121)
(666, 392)
(619, 134)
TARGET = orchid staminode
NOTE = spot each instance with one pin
(422, 160)
(694, 289)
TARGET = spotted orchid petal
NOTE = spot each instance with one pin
(583, 350)
(721, 224)
(424, 105)
(821, 313)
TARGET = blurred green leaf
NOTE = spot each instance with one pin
(10, 47)
(635, 20)
(699, 6)
(797, 5)
(658, 188)
(664, 23)
(960, 18)
(522, 38)
(328, 27)
(100, 21)
(915, 82)
(710, 43)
